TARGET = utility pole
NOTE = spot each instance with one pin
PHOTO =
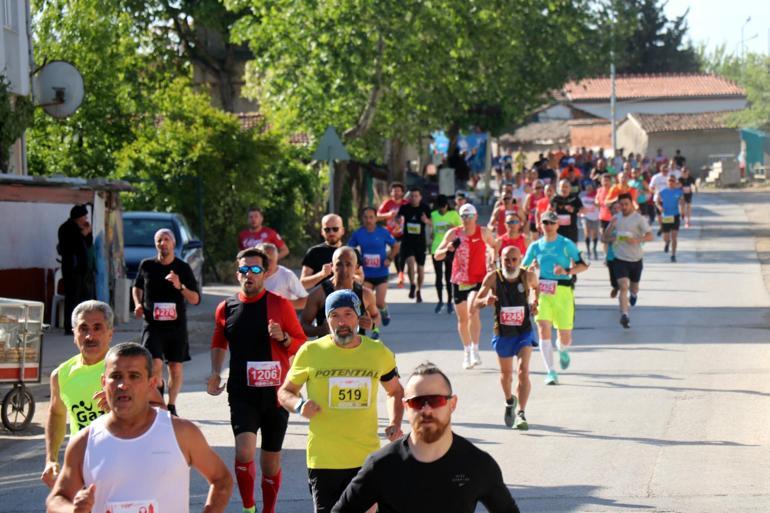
(613, 101)
(743, 43)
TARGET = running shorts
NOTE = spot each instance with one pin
(667, 227)
(604, 224)
(376, 281)
(326, 486)
(508, 347)
(166, 343)
(589, 224)
(626, 269)
(411, 249)
(687, 198)
(460, 292)
(558, 308)
(248, 417)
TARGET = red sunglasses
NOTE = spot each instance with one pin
(434, 401)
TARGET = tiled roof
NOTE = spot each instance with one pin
(652, 123)
(695, 85)
(539, 132)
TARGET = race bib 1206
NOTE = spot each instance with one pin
(263, 374)
(349, 393)
(164, 311)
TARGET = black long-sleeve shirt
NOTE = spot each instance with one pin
(394, 479)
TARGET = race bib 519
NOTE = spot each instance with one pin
(349, 393)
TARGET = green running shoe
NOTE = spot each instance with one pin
(564, 359)
(521, 422)
(508, 418)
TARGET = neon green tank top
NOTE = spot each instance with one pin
(441, 225)
(77, 385)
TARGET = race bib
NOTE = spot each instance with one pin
(564, 219)
(349, 393)
(624, 236)
(132, 507)
(512, 315)
(589, 207)
(668, 219)
(164, 311)
(548, 287)
(371, 260)
(686, 190)
(413, 228)
(263, 374)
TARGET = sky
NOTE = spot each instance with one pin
(716, 22)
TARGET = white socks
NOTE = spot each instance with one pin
(547, 351)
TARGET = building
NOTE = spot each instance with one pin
(16, 63)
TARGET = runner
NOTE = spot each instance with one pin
(162, 287)
(530, 207)
(605, 209)
(567, 207)
(373, 241)
(461, 198)
(256, 234)
(590, 217)
(340, 372)
(670, 203)
(505, 206)
(689, 186)
(136, 457)
(626, 232)
(317, 263)
(343, 263)
(469, 244)
(508, 290)
(281, 280)
(544, 204)
(512, 237)
(443, 219)
(262, 332)
(558, 259)
(388, 212)
(643, 194)
(431, 469)
(414, 216)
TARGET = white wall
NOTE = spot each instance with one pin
(14, 47)
(623, 108)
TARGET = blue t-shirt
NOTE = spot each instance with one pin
(373, 246)
(670, 199)
(561, 252)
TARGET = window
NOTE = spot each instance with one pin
(9, 14)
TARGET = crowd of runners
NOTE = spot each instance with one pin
(314, 344)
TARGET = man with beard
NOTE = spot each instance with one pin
(508, 290)
(162, 286)
(445, 471)
(340, 372)
(317, 262)
(261, 331)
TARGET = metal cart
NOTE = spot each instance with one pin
(21, 343)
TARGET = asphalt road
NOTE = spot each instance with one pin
(670, 415)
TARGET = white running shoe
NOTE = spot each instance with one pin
(467, 360)
(475, 357)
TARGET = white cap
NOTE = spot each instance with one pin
(467, 209)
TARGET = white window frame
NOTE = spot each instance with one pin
(8, 14)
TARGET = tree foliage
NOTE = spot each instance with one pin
(16, 115)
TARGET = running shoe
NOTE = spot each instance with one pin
(467, 360)
(632, 299)
(509, 409)
(418, 296)
(625, 321)
(386, 319)
(475, 357)
(665, 248)
(614, 293)
(376, 333)
(673, 258)
(412, 289)
(552, 378)
(400, 283)
(564, 359)
(521, 421)
(252, 509)
(450, 308)
(438, 308)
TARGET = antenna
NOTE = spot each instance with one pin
(58, 89)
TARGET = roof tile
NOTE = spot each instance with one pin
(655, 123)
(653, 86)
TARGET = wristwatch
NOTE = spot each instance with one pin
(300, 404)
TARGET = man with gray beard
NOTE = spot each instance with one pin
(340, 372)
(509, 289)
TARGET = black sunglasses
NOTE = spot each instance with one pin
(331, 229)
(434, 401)
(548, 222)
(255, 269)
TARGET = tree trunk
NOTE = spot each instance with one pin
(396, 160)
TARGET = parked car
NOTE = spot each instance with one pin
(138, 240)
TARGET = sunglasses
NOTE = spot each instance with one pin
(255, 269)
(548, 223)
(434, 401)
(331, 229)
(467, 216)
(515, 221)
(507, 198)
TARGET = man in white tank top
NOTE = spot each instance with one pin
(136, 457)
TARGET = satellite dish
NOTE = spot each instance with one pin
(58, 88)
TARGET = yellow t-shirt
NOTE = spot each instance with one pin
(344, 383)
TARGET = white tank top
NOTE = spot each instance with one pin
(146, 474)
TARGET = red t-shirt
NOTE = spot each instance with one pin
(249, 239)
(605, 214)
(520, 242)
(543, 204)
(393, 225)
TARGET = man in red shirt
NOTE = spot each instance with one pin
(262, 332)
(256, 234)
(388, 212)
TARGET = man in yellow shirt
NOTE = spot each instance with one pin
(340, 372)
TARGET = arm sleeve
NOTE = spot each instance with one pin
(497, 498)
(277, 239)
(306, 259)
(295, 287)
(139, 280)
(361, 493)
(188, 278)
(388, 369)
(291, 325)
(218, 339)
(529, 257)
(573, 252)
(389, 239)
(353, 240)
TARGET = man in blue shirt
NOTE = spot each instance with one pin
(373, 242)
(670, 201)
(558, 259)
